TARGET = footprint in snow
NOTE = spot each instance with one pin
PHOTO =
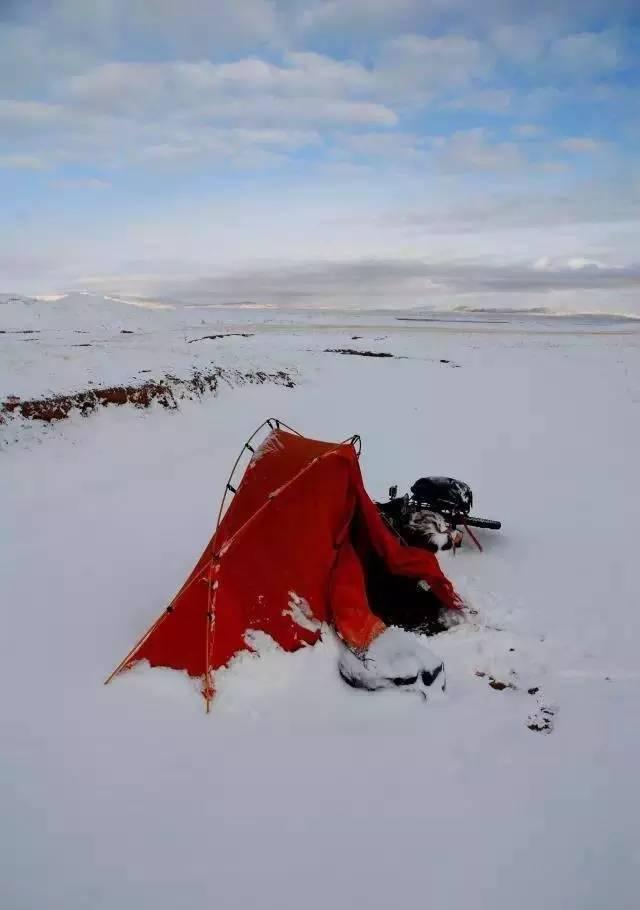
(541, 720)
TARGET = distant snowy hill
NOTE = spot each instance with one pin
(61, 344)
(545, 311)
(71, 311)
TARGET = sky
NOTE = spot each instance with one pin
(323, 152)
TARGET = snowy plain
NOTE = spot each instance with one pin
(297, 791)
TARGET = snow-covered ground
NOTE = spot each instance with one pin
(297, 791)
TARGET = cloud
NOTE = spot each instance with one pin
(543, 52)
(242, 148)
(19, 267)
(193, 24)
(587, 54)
(171, 106)
(400, 282)
(270, 111)
(308, 88)
(131, 87)
(22, 162)
(190, 28)
(554, 167)
(473, 150)
(524, 208)
(32, 59)
(177, 112)
(393, 146)
(448, 123)
(581, 144)
(371, 19)
(521, 43)
(81, 183)
(418, 66)
(577, 263)
(331, 15)
(495, 101)
(25, 114)
(528, 130)
(463, 152)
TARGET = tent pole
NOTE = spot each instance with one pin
(266, 423)
(207, 691)
(137, 645)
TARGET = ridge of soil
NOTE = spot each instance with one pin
(167, 391)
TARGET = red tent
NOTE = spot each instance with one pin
(286, 557)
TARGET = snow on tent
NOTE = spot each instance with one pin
(288, 555)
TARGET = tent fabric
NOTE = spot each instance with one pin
(287, 556)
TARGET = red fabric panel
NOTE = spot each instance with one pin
(412, 562)
(178, 639)
(287, 549)
(294, 503)
(280, 458)
(353, 620)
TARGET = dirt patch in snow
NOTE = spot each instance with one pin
(354, 352)
(362, 353)
(224, 335)
(542, 720)
(496, 684)
(167, 391)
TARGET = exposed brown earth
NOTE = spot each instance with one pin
(168, 392)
